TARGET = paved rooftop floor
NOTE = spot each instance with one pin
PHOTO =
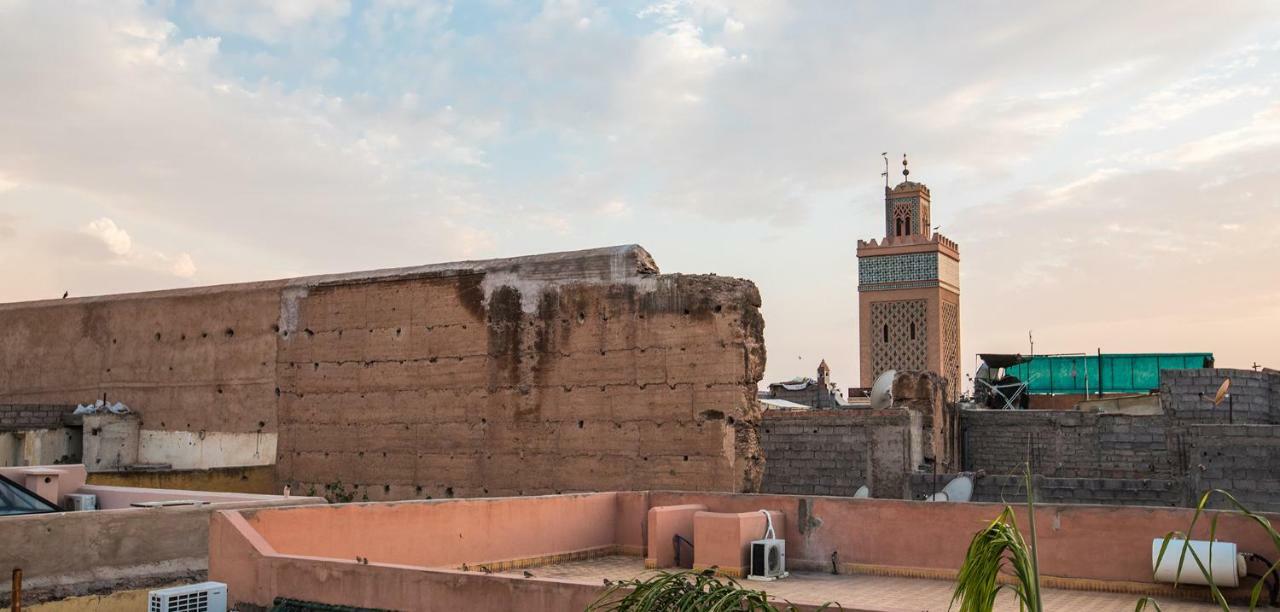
(861, 591)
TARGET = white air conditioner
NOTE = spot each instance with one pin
(768, 559)
(80, 501)
(203, 597)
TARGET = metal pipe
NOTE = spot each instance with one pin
(675, 543)
(1099, 372)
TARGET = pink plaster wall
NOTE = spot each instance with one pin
(1109, 543)
(443, 532)
(664, 523)
(720, 539)
(255, 574)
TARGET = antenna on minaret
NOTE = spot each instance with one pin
(885, 174)
(905, 171)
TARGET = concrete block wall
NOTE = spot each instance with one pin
(1067, 444)
(833, 452)
(1241, 459)
(1009, 488)
(25, 417)
(1187, 395)
(557, 372)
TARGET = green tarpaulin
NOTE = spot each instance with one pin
(1121, 373)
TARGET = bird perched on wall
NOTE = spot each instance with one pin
(528, 574)
(65, 294)
(465, 568)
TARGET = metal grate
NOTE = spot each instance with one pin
(188, 602)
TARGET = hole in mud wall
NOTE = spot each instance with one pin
(229, 332)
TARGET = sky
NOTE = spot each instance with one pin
(1111, 170)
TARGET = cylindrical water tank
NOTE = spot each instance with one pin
(1227, 565)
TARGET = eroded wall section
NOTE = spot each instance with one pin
(559, 372)
(590, 372)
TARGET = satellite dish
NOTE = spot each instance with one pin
(960, 489)
(862, 491)
(882, 390)
(1222, 392)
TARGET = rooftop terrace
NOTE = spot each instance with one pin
(473, 553)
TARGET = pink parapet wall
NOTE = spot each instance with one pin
(415, 550)
(444, 532)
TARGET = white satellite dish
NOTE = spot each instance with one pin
(882, 390)
(862, 491)
(960, 489)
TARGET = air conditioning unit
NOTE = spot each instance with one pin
(768, 559)
(203, 597)
(79, 502)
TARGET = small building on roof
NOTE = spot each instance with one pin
(819, 393)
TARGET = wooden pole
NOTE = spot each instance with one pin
(16, 603)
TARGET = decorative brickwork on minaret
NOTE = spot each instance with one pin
(909, 292)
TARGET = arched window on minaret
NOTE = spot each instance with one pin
(886, 333)
(898, 225)
(913, 330)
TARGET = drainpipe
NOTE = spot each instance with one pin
(16, 599)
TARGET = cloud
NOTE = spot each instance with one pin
(116, 240)
(1213, 86)
(125, 252)
(294, 137)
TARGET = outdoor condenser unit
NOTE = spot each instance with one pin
(80, 501)
(768, 554)
(203, 597)
(768, 559)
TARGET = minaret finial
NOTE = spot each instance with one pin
(905, 171)
(885, 174)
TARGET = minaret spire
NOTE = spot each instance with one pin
(905, 171)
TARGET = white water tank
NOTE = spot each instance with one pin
(1227, 565)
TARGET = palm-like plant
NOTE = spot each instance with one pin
(684, 591)
(994, 548)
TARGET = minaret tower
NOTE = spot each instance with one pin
(909, 291)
